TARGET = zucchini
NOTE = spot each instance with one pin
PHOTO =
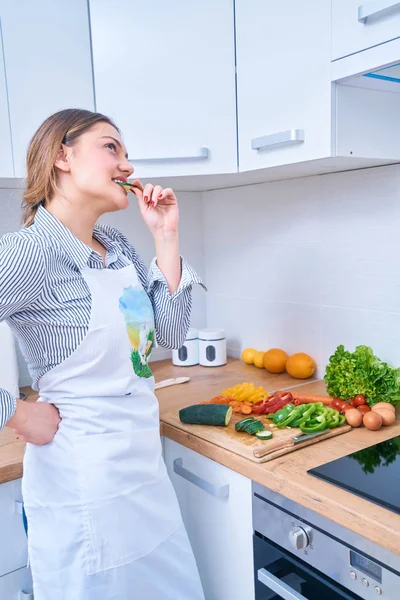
(240, 425)
(254, 427)
(206, 414)
(264, 435)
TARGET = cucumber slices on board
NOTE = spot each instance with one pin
(250, 425)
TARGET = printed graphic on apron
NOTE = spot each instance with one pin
(138, 312)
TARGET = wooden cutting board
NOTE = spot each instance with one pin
(244, 444)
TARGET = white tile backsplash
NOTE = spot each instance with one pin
(307, 264)
(130, 222)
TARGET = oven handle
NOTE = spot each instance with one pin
(276, 585)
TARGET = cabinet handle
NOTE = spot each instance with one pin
(26, 596)
(218, 492)
(279, 587)
(18, 507)
(372, 9)
(202, 154)
(284, 138)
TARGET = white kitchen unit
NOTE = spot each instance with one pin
(216, 508)
(283, 82)
(13, 542)
(16, 585)
(15, 578)
(165, 72)
(358, 25)
(6, 160)
(48, 64)
(289, 109)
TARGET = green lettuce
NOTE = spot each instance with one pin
(361, 372)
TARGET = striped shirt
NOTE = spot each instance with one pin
(47, 303)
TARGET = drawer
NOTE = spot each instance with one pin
(358, 25)
(13, 542)
(16, 585)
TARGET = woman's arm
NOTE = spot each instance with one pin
(170, 279)
(171, 309)
(21, 282)
(168, 259)
(8, 405)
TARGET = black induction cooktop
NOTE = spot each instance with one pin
(372, 473)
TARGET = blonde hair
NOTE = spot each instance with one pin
(64, 127)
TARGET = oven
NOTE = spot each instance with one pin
(299, 555)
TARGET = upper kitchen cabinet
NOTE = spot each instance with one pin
(6, 161)
(291, 109)
(283, 81)
(357, 25)
(48, 64)
(165, 72)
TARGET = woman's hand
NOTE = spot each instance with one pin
(158, 207)
(35, 422)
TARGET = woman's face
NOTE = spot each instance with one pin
(91, 165)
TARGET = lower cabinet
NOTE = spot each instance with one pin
(13, 542)
(15, 578)
(16, 585)
(216, 508)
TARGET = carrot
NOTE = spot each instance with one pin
(308, 398)
(219, 400)
(246, 410)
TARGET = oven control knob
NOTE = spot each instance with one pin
(298, 538)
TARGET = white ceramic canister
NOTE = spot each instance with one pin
(212, 347)
(188, 354)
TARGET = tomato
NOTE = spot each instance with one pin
(336, 403)
(351, 401)
(359, 400)
(363, 408)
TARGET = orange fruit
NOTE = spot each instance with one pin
(248, 355)
(300, 365)
(259, 360)
(275, 360)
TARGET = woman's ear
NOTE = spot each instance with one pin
(62, 161)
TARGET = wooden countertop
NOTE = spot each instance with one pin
(286, 475)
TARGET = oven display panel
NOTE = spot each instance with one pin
(366, 566)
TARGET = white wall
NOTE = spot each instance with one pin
(129, 221)
(307, 264)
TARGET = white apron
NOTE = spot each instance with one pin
(103, 519)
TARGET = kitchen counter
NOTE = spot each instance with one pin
(286, 475)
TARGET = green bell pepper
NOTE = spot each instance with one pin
(319, 425)
(281, 414)
(292, 417)
(311, 409)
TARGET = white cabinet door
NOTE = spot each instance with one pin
(16, 586)
(216, 509)
(6, 160)
(165, 72)
(283, 81)
(353, 30)
(48, 64)
(13, 543)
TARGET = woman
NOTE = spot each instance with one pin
(104, 522)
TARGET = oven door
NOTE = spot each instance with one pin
(279, 575)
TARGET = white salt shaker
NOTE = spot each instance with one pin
(212, 347)
(188, 354)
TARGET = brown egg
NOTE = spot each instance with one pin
(372, 420)
(388, 416)
(385, 405)
(354, 417)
